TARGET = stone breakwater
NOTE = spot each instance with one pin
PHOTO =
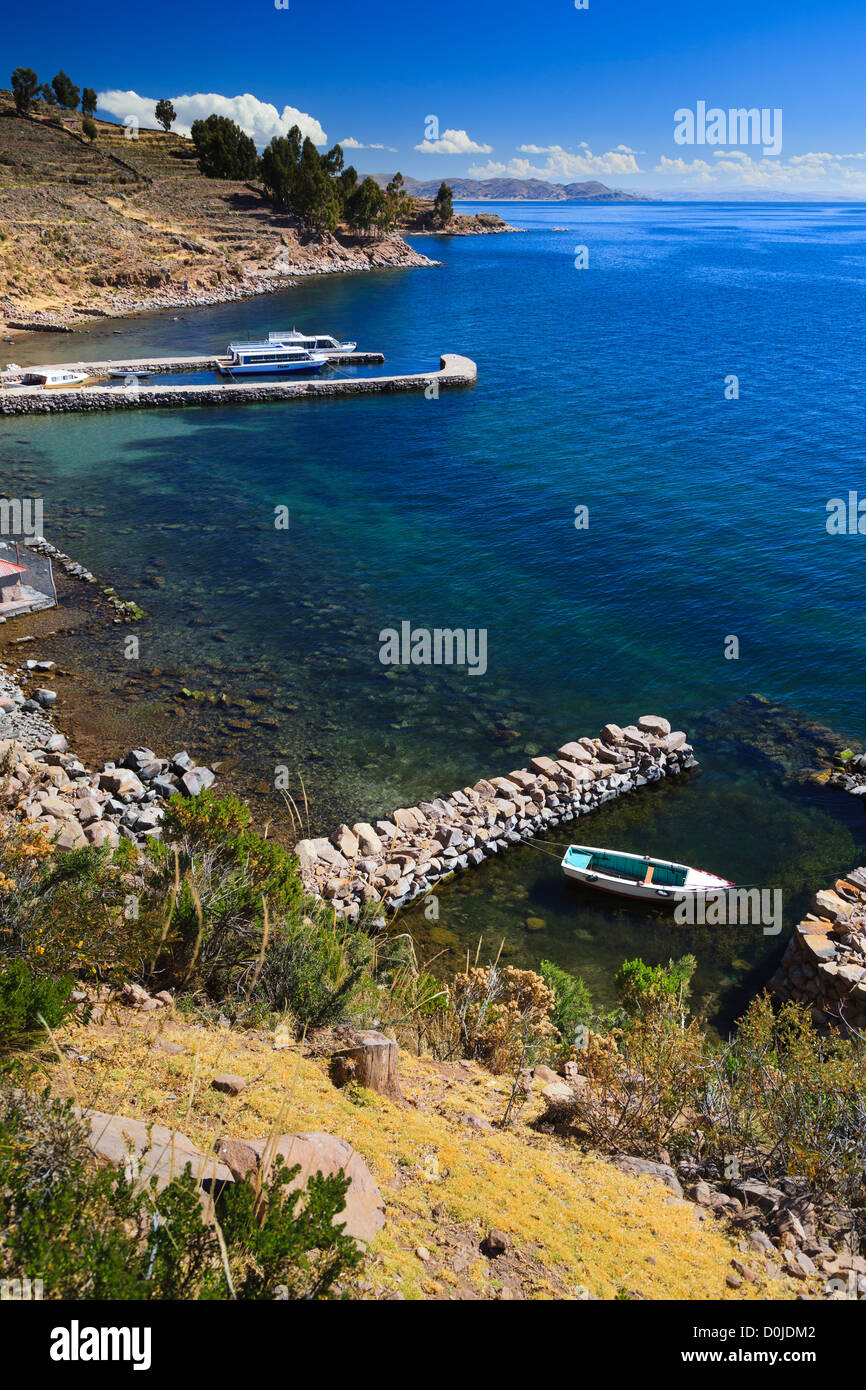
(166, 366)
(404, 857)
(454, 370)
(824, 965)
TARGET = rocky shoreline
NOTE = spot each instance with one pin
(333, 258)
(46, 786)
(403, 858)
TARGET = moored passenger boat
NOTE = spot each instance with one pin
(251, 359)
(312, 342)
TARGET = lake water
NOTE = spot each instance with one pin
(602, 388)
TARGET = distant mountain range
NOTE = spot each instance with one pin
(514, 190)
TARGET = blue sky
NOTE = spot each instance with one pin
(543, 90)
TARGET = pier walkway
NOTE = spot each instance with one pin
(25, 400)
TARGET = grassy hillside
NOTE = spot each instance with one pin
(119, 224)
(574, 1223)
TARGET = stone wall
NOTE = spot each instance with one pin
(402, 858)
(453, 371)
(824, 965)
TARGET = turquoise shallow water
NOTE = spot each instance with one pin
(601, 387)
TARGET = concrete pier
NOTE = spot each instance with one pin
(409, 854)
(453, 371)
(157, 366)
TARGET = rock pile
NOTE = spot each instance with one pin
(50, 789)
(404, 857)
(824, 964)
(852, 777)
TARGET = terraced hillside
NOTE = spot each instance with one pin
(129, 223)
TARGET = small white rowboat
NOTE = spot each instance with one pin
(636, 875)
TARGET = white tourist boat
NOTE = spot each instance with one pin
(313, 342)
(251, 359)
(50, 377)
(637, 875)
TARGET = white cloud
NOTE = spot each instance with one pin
(259, 119)
(351, 144)
(812, 172)
(453, 142)
(561, 165)
(699, 169)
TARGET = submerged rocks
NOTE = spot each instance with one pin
(405, 857)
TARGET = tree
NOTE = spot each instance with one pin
(333, 161)
(280, 168)
(443, 205)
(88, 128)
(365, 206)
(224, 150)
(25, 85)
(88, 101)
(399, 204)
(165, 113)
(46, 91)
(348, 182)
(65, 90)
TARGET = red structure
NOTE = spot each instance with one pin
(10, 583)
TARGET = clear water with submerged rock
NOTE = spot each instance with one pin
(601, 388)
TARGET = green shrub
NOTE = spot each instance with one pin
(573, 1006)
(215, 886)
(649, 989)
(316, 968)
(28, 1003)
(84, 912)
(90, 1232)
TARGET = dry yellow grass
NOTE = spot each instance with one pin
(574, 1222)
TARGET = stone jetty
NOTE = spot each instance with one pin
(453, 370)
(402, 858)
(824, 965)
(167, 366)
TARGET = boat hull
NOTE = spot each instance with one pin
(271, 368)
(586, 864)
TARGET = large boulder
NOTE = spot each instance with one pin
(121, 781)
(196, 780)
(145, 1150)
(369, 843)
(364, 1213)
(648, 1168)
(574, 753)
(654, 724)
(346, 842)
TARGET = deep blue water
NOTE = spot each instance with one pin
(602, 387)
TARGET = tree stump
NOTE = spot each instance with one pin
(370, 1061)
